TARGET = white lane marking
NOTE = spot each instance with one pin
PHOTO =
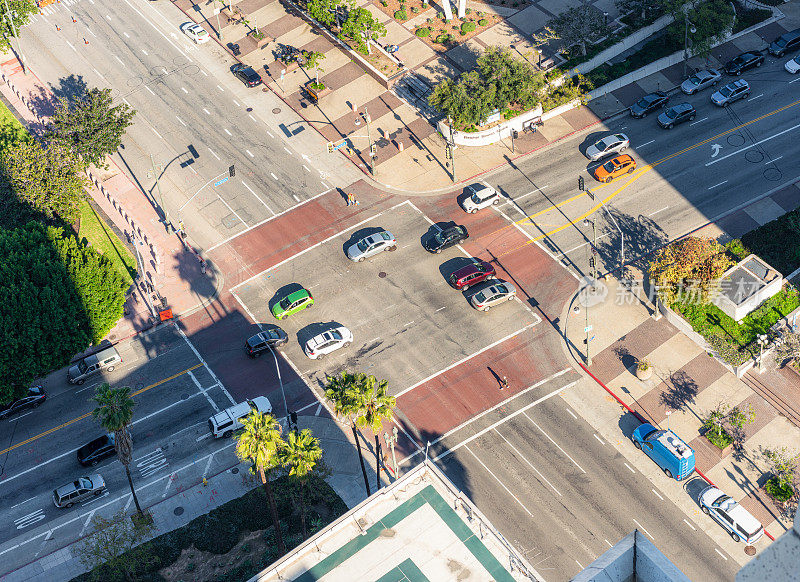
(690, 525)
(155, 132)
(270, 133)
(181, 120)
(288, 151)
(92, 33)
(220, 88)
(527, 461)
(579, 564)
(70, 45)
(572, 414)
(208, 465)
(145, 52)
(648, 143)
(715, 185)
(752, 145)
(295, 197)
(698, 121)
(756, 97)
(324, 184)
(259, 199)
(86, 523)
(230, 238)
(795, 81)
(22, 502)
(319, 409)
(774, 160)
(721, 554)
(213, 154)
(120, 61)
(164, 70)
(250, 115)
(657, 211)
(249, 153)
(184, 90)
(126, 35)
(228, 132)
(501, 483)
(409, 323)
(608, 542)
(151, 463)
(207, 367)
(306, 168)
(237, 103)
(657, 494)
(273, 175)
(149, 89)
(29, 519)
(644, 530)
(204, 73)
(598, 439)
(169, 482)
(554, 442)
(518, 198)
(203, 391)
(629, 467)
(438, 310)
(206, 111)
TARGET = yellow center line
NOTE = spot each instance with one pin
(74, 420)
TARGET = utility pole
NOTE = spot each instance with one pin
(391, 441)
(450, 149)
(167, 223)
(219, 28)
(9, 17)
(686, 40)
(369, 140)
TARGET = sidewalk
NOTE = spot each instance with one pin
(184, 506)
(171, 275)
(685, 386)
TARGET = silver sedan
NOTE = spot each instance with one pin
(487, 298)
(372, 245)
(611, 144)
(700, 80)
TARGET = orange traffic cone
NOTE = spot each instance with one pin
(58, 27)
(85, 41)
(73, 19)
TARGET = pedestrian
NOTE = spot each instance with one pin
(350, 198)
(504, 383)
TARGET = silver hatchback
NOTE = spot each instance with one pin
(80, 489)
(611, 144)
(497, 293)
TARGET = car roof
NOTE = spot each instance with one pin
(745, 519)
(476, 266)
(299, 294)
(621, 159)
(682, 107)
(704, 74)
(737, 83)
(654, 95)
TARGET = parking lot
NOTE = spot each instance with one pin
(398, 305)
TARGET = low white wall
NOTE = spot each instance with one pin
(492, 135)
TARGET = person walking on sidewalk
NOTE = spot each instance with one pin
(503, 383)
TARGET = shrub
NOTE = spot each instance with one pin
(780, 493)
(414, 9)
(737, 249)
(400, 14)
(423, 32)
(384, 3)
(483, 22)
(467, 27)
(468, 11)
(442, 38)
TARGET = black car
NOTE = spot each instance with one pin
(648, 104)
(36, 395)
(261, 342)
(446, 238)
(97, 450)
(677, 114)
(246, 75)
(744, 62)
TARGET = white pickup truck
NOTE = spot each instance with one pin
(223, 424)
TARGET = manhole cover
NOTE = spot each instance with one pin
(750, 550)
(735, 139)
(754, 156)
(178, 511)
(234, 470)
(381, 274)
(276, 110)
(772, 174)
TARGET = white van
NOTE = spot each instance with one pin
(229, 420)
(105, 359)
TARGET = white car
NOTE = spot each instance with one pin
(372, 245)
(480, 196)
(328, 341)
(196, 32)
(793, 65)
(611, 144)
(733, 517)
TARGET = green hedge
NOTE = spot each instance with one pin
(778, 493)
(423, 32)
(746, 17)
(718, 436)
(777, 242)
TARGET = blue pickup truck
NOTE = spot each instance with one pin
(667, 449)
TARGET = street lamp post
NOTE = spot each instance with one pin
(687, 29)
(219, 28)
(167, 223)
(451, 148)
(283, 392)
(9, 17)
(369, 141)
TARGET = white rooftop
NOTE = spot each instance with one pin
(675, 445)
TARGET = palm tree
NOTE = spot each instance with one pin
(114, 412)
(375, 406)
(260, 443)
(299, 455)
(341, 391)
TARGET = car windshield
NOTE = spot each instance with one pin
(501, 289)
(694, 80)
(721, 501)
(480, 297)
(84, 483)
(363, 245)
(385, 236)
(285, 303)
(726, 91)
(781, 42)
(609, 166)
(271, 334)
(335, 334)
(82, 366)
(475, 198)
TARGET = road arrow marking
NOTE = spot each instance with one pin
(716, 147)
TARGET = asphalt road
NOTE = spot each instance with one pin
(193, 117)
(683, 179)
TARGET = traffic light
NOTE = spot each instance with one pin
(330, 147)
(373, 149)
(232, 171)
(580, 183)
(514, 134)
(591, 262)
(447, 152)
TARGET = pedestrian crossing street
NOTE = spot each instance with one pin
(55, 7)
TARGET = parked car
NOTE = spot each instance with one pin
(497, 293)
(476, 272)
(106, 359)
(292, 303)
(481, 195)
(793, 65)
(225, 423)
(731, 92)
(274, 337)
(372, 245)
(446, 238)
(788, 41)
(667, 450)
(611, 144)
(701, 80)
(80, 489)
(739, 522)
(677, 114)
(35, 396)
(614, 167)
(648, 104)
(328, 341)
(97, 450)
(195, 32)
(246, 75)
(744, 62)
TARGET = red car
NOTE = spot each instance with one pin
(472, 274)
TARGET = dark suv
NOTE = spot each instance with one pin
(785, 42)
(100, 448)
(246, 75)
(444, 239)
(35, 396)
(262, 342)
(648, 104)
(731, 92)
(744, 62)
(677, 114)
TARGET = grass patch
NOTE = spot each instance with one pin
(735, 341)
(106, 242)
(746, 17)
(11, 130)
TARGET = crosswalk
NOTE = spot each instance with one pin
(52, 7)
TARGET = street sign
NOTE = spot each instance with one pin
(587, 329)
(339, 145)
(221, 181)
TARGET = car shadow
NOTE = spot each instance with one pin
(467, 192)
(360, 234)
(694, 486)
(313, 329)
(282, 292)
(590, 140)
(434, 229)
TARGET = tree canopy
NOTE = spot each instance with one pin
(691, 263)
(20, 12)
(578, 25)
(360, 27)
(91, 126)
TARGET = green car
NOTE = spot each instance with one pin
(292, 303)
